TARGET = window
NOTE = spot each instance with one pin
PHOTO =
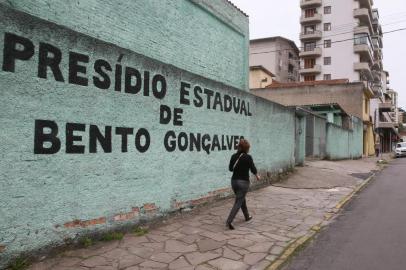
(327, 10)
(309, 78)
(327, 43)
(327, 61)
(309, 63)
(309, 29)
(327, 77)
(327, 27)
(309, 46)
(290, 55)
(361, 38)
(310, 12)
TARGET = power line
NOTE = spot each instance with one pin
(333, 42)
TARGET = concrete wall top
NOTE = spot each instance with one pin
(348, 96)
(210, 38)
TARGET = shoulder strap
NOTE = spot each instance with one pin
(235, 164)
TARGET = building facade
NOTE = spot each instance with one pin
(340, 39)
(278, 55)
(343, 40)
(260, 77)
(353, 98)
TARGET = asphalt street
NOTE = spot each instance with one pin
(370, 233)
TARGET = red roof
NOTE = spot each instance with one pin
(312, 83)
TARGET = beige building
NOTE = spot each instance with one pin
(278, 55)
(260, 77)
(353, 98)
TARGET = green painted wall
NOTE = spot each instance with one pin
(45, 199)
(344, 143)
(206, 37)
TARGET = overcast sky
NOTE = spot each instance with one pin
(281, 18)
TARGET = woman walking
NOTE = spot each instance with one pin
(240, 164)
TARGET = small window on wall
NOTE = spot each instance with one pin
(327, 43)
(327, 27)
(327, 77)
(327, 10)
(327, 61)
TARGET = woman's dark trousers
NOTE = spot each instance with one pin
(240, 188)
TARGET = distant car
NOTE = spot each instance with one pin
(400, 150)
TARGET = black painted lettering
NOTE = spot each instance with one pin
(229, 142)
(183, 141)
(165, 115)
(11, 51)
(215, 143)
(195, 142)
(75, 68)
(217, 102)
(206, 143)
(96, 136)
(146, 83)
(142, 135)
(103, 80)
(71, 148)
(170, 141)
(249, 112)
(117, 77)
(159, 92)
(40, 137)
(129, 87)
(52, 61)
(198, 100)
(228, 103)
(235, 142)
(184, 93)
(236, 105)
(124, 132)
(243, 108)
(177, 117)
(209, 93)
(223, 143)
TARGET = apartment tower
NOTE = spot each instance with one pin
(340, 40)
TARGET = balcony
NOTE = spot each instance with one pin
(364, 68)
(365, 51)
(364, 16)
(316, 18)
(311, 35)
(386, 125)
(366, 3)
(307, 52)
(362, 30)
(310, 3)
(385, 107)
(316, 69)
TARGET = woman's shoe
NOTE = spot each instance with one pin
(248, 218)
(230, 226)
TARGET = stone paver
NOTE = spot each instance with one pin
(201, 241)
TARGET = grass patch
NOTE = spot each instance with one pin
(112, 236)
(139, 231)
(19, 264)
(86, 242)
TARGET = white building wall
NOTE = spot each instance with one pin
(342, 53)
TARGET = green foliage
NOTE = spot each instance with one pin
(86, 242)
(19, 264)
(139, 231)
(112, 236)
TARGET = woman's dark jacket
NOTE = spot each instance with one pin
(244, 165)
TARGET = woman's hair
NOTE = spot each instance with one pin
(243, 146)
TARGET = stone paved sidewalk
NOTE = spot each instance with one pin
(200, 241)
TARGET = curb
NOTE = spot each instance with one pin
(302, 241)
